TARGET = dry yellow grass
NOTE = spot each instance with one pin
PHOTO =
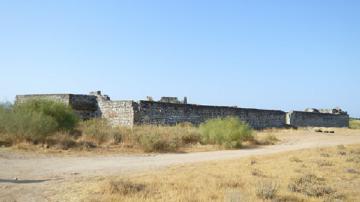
(330, 173)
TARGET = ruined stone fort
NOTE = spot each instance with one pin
(171, 111)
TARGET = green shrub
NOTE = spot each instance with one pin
(354, 124)
(34, 120)
(32, 126)
(229, 131)
(63, 115)
(100, 131)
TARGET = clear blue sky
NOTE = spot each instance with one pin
(261, 54)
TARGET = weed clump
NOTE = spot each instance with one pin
(124, 187)
(229, 132)
(269, 139)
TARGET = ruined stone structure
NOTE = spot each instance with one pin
(170, 111)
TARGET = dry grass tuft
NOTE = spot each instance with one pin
(268, 139)
(267, 190)
(295, 159)
(310, 185)
(321, 162)
(257, 172)
(124, 187)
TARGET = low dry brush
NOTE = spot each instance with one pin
(56, 125)
(124, 187)
(310, 185)
(165, 138)
(266, 190)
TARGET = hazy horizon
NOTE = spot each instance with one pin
(255, 54)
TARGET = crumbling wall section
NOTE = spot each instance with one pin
(118, 113)
(316, 119)
(85, 106)
(169, 114)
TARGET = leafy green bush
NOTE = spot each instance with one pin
(100, 131)
(62, 114)
(34, 120)
(229, 131)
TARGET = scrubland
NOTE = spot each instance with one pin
(51, 126)
(318, 174)
(323, 174)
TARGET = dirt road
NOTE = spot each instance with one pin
(33, 178)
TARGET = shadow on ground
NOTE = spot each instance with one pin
(17, 181)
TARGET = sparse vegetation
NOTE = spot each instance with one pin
(268, 139)
(100, 131)
(260, 181)
(123, 187)
(55, 125)
(229, 132)
(267, 190)
(158, 139)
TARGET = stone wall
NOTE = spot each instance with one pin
(150, 112)
(118, 113)
(316, 119)
(168, 112)
(85, 106)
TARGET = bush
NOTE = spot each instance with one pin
(158, 138)
(34, 120)
(62, 114)
(230, 132)
(100, 131)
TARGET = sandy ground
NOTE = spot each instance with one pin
(30, 177)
